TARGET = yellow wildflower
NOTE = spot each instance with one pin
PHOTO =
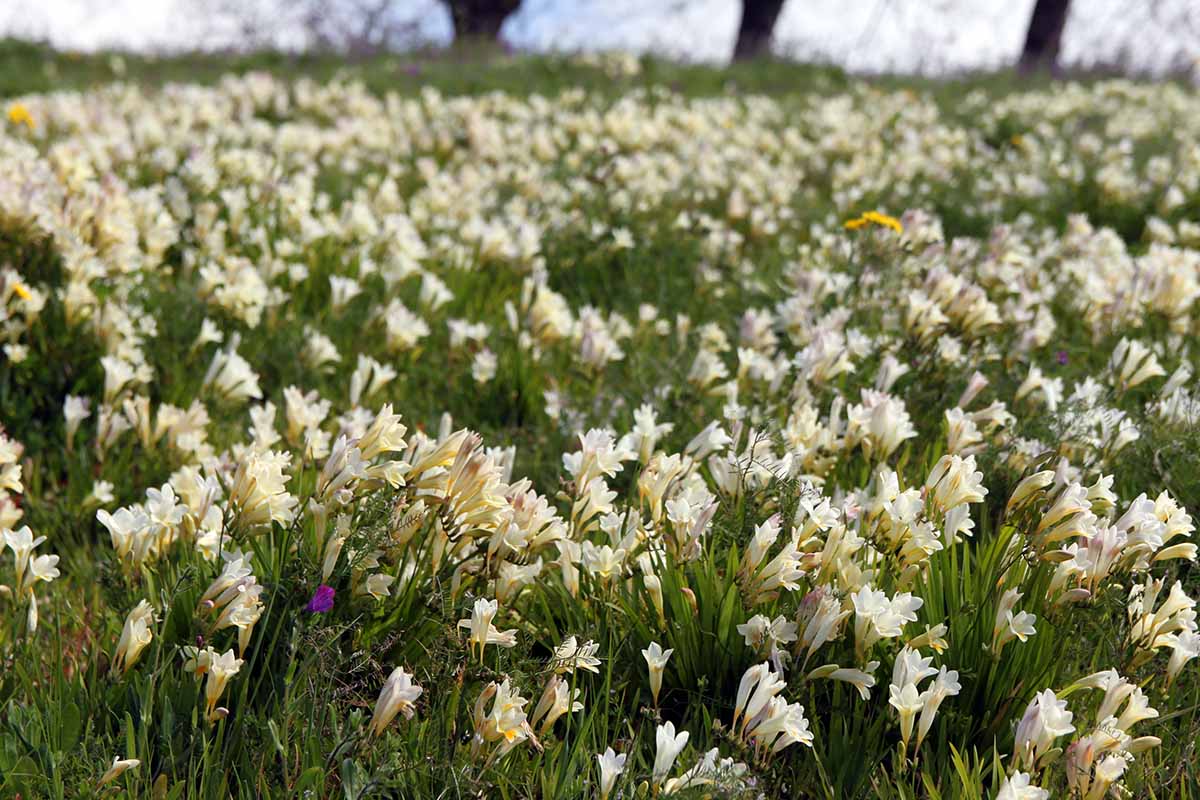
(18, 114)
(874, 218)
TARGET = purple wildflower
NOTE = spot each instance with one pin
(1061, 355)
(322, 600)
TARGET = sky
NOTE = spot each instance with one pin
(931, 36)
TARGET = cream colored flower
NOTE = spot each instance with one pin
(135, 636)
(119, 767)
(398, 696)
(656, 662)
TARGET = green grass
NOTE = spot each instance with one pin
(27, 67)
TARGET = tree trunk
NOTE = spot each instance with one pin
(1044, 38)
(480, 19)
(754, 33)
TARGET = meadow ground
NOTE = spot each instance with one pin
(473, 425)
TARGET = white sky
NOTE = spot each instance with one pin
(865, 35)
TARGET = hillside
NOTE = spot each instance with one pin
(474, 425)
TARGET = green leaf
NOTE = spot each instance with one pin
(311, 779)
(70, 727)
(20, 778)
(354, 780)
(725, 618)
(130, 737)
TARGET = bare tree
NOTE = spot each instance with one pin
(480, 19)
(757, 25)
(1044, 38)
(358, 28)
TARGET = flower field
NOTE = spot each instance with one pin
(615, 440)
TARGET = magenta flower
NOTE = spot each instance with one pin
(1062, 357)
(322, 600)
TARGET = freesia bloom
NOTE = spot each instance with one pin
(668, 747)
(220, 669)
(1009, 626)
(570, 656)
(398, 695)
(779, 725)
(861, 680)
(944, 685)
(1046, 718)
(756, 689)
(656, 661)
(611, 767)
(22, 544)
(75, 411)
(506, 723)
(709, 769)
(483, 632)
(1184, 647)
(1018, 787)
(135, 636)
(119, 767)
(907, 701)
(557, 699)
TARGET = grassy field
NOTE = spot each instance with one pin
(476, 425)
